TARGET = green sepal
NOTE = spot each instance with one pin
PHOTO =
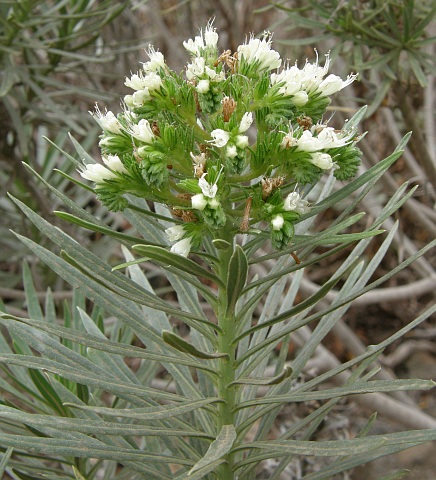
(183, 346)
(348, 160)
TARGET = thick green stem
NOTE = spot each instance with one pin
(226, 365)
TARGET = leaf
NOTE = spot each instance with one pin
(163, 257)
(417, 69)
(86, 377)
(183, 346)
(290, 328)
(354, 389)
(316, 297)
(328, 448)
(286, 373)
(236, 277)
(130, 240)
(133, 293)
(218, 448)
(5, 459)
(149, 413)
(79, 448)
(103, 344)
(382, 91)
(200, 474)
(92, 427)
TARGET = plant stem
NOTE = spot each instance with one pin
(226, 365)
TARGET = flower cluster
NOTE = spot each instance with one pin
(228, 145)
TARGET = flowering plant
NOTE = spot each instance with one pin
(213, 164)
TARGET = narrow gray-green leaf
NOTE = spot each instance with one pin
(236, 277)
(287, 372)
(164, 257)
(218, 448)
(88, 378)
(183, 346)
(77, 448)
(328, 448)
(355, 389)
(5, 459)
(149, 413)
(316, 297)
(129, 239)
(200, 474)
(92, 427)
(102, 344)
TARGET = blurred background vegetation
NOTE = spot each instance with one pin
(58, 58)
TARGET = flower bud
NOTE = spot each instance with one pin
(321, 160)
(182, 247)
(277, 222)
(175, 233)
(199, 201)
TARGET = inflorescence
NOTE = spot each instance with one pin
(228, 144)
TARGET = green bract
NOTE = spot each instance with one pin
(223, 143)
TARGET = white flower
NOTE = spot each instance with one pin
(231, 151)
(151, 81)
(277, 222)
(157, 60)
(332, 84)
(203, 86)
(141, 131)
(199, 201)
(289, 140)
(207, 189)
(246, 122)
(328, 138)
(95, 172)
(290, 78)
(140, 97)
(114, 163)
(107, 121)
(321, 160)
(300, 98)
(182, 247)
(308, 143)
(294, 203)
(220, 138)
(194, 46)
(242, 141)
(210, 36)
(212, 74)
(196, 68)
(259, 52)
(175, 233)
(207, 39)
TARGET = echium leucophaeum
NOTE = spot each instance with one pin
(227, 145)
